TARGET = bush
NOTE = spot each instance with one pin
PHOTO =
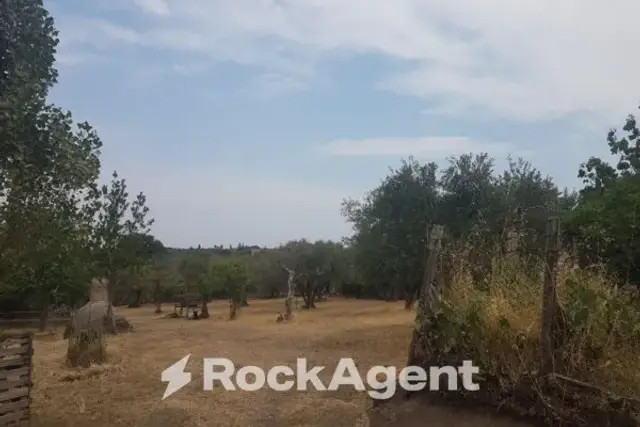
(497, 325)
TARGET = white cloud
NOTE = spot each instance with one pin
(418, 147)
(155, 7)
(72, 59)
(273, 84)
(528, 59)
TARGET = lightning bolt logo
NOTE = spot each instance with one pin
(176, 377)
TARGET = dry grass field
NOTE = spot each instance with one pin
(127, 390)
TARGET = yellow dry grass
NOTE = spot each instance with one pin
(127, 390)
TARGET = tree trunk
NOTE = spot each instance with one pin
(288, 308)
(288, 302)
(312, 295)
(307, 295)
(204, 310)
(157, 297)
(137, 296)
(408, 303)
(412, 296)
(44, 312)
(233, 310)
(110, 317)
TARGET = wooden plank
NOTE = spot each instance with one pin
(10, 351)
(16, 372)
(16, 341)
(13, 417)
(16, 336)
(14, 394)
(11, 383)
(14, 406)
(15, 361)
(16, 350)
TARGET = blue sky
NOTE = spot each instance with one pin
(250, 120)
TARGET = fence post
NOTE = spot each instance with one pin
(428, 294)
(549, 296)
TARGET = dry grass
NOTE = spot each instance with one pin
(497, 324)
(605, 342)
(127, 390)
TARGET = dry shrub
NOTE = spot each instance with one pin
(497, 325)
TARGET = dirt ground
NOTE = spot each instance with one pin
(127, 391)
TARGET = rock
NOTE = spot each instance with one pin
(94, 315)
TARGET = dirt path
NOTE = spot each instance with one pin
(413, 413)
(127, 391)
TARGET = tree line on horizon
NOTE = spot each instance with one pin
(61, 227)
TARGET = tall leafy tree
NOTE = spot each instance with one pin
(195, 271)
(390, 227)
(604, 224)
(46, 164)
(114, 220)
(234, 276)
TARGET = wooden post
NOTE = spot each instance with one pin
(549, 298)
(428, 294)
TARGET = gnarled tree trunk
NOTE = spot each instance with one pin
(288, 302)
(204, 309)
(44, 311)
(233, 310)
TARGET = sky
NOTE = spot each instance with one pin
(251, 120)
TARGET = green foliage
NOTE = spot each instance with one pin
(601, 315)
(234, 277)
(476, 206)
(45, 165)
(604, 224)
(59, 227)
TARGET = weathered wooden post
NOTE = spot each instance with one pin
(429, 295)
(288, 302)
(550, 310)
